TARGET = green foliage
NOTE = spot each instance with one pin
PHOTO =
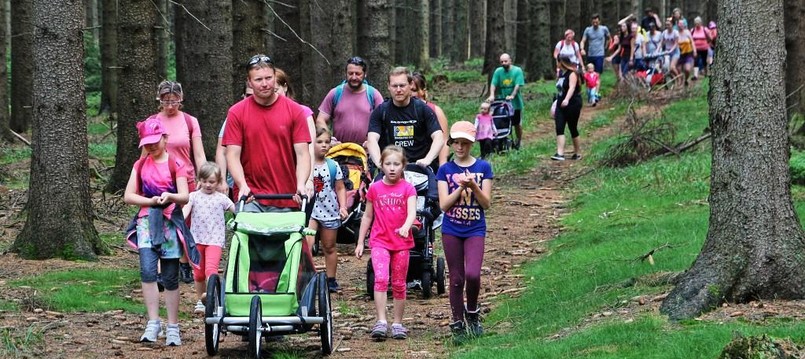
(14, 154)
(797, 164)
(92, 63)
(21, 342)
(92, 290)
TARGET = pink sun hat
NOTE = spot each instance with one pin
(462, 129)
(151, 131)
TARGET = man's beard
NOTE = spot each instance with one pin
(355, 87)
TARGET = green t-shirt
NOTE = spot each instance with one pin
(504, 82)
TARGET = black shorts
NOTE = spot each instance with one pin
(516, 117)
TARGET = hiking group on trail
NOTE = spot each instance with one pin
(270, 144)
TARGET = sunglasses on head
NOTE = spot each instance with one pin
(256, 59)
(356, 60)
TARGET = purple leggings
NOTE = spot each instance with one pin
(464, 257)
(382, 259)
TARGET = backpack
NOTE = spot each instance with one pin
(189, 124)
(331, 166)
(339, 91)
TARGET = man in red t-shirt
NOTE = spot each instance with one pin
(266, 139)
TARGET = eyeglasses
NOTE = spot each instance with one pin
(398, 86)
(169, 102)
(256, 59)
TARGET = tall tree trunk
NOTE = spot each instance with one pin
(558, 25)
(509, 10)
(59, 222)
(4, 114)
(290, 52)
(436, 43)
(322, 61)
(754, 238)
(448, 28)
(495, 30)
(477, 28)
(344, 38)
(377, 46)
(403, 32)
(22, 68)
(540, 63)
(423, 62)
(163, 38)
(91, 19)
(461, 34)
(200, 39)
(609, 15)
(136, 53)
(795, 56)
(525, 38)
(573, 18)
(248, 39)
(109, 69)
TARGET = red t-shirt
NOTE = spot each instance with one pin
(267, 135)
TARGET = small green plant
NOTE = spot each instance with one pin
(92, 290)
(21, 342)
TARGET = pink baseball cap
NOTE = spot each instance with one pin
(462, 129)
(151, 131)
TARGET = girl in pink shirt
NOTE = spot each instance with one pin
(591, 80)
(390, 210)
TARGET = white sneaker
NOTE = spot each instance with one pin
(200, 308)
(152, 329)
(172, 337)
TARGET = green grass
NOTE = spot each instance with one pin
(21, 342)
(70, 291)
(616, 216)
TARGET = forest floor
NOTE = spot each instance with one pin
(525, 215)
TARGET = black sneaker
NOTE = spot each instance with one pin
(186, 272)
(459, 331)
(558, 157)
(332, 285)
(575, 157)
(474, 327)
(160, 283)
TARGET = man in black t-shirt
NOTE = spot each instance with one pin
(404, 121)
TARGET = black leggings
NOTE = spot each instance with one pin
(570, 116)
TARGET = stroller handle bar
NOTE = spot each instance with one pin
(242, 199)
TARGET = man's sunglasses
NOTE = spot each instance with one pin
(256, 59)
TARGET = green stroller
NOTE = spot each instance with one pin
(271, 286)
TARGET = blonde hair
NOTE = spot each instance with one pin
(210, 169)
(401, 70)
(393, 150)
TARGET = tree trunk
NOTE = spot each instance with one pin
(163, 38)
(91, 19)
(248, 39)
(404, 32)
(136, 53)
(525, 38)
(200, 39)
(495, 31)
(436, 43)
(477, 28)
(461, 33)
(377, 46)
(448, 28)
(290, 50)
(540, 62)
(22, 68)
(59, 222)
(4, 114)
(573, 18)
(558, 24)
(423, 62)
(754, 241)
(342, 45)
(510, 27)
(795, 56)
(609, 15)
(109, 69)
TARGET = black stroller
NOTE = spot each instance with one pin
(502, 112)
(421, 271)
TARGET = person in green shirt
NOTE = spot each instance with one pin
(506, 82)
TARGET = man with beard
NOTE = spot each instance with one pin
(506, 83)
(350, 104)
(598, 37)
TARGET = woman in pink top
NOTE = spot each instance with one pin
(390, 211)
(701, 41)
(184, 133)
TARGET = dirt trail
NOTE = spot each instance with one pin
(524, 216)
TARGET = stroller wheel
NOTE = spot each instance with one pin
(325, 310)
(256, 326)
(440, 275)
(370, 279)
(427, 284)
(212, 332)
